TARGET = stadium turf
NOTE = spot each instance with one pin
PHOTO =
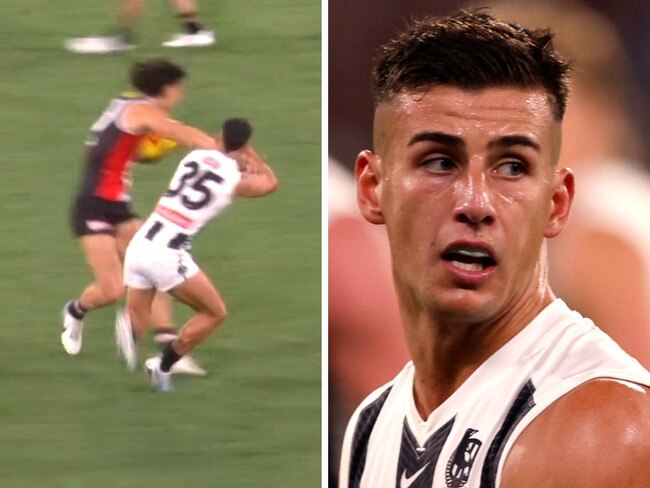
(85, 422)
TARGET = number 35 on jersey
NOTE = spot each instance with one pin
(202, 187)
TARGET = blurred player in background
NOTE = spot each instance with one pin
(364, 326)
(158, 257)
(102, 217)
(600, 264)
(363, 297)
(129, 12)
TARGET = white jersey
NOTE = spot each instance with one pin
(202, 187)
(465, 441)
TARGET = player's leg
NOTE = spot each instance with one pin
(105, 263)
(106, 266)
(131, 324)
(193, 34)
(161, 309)
(138, 305)
(165, 334)
(160, 315)
(188, 13)
(120, 38)
(199, 293)
(129, 13)
(210, 311)
(124, 331)
(124, 232)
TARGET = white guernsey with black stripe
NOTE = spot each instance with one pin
(464, 443)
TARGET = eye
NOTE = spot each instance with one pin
(512, 169)
(439, 165)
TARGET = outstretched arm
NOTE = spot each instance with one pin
(149, 118)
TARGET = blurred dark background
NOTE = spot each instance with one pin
(357, 29)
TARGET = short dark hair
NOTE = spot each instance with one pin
(473, 51)
(152, 75)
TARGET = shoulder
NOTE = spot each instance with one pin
(370, 408)
(139, 105)
(139, 108)
(357, 434)
(137, 113)
(596, 436)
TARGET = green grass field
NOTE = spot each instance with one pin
(84, 421)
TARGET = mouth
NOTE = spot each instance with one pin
(470, 257)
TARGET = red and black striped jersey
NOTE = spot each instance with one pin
(111, 150)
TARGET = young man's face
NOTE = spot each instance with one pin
(467, 187)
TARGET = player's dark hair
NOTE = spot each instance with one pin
(472, 51)
(151, 76)
(236, 133)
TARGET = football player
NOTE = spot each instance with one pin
(158, 258)
(102, 217)
(129, 12)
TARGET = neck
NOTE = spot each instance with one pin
(446, 352)
(158, 102)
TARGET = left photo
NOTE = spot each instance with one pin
(162, 284)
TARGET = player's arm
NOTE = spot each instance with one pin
(597, 436)
(258, 178)
(145, 117)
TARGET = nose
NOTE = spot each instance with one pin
(473, 198)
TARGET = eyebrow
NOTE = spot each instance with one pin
(439, 137)
(514, 140)
(452, 140)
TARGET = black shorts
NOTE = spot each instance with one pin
(94, 215)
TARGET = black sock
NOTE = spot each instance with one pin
(190, 23)
(164, 336)
(169, 358)
(76, 310)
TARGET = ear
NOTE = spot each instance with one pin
(561, 201)
(368, 176)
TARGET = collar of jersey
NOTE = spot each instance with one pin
(514, 353)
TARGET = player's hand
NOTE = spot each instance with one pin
(242, 156)
(250, 159)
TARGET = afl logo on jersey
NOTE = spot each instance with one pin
(462, 460)
(211, 162)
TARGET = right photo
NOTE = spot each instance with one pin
(489, 228)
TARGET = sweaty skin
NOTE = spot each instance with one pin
(444, 173)
(452, 166)
(597, 436)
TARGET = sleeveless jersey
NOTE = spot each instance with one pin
(110, 152)
(465, 441)
(202, 188)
